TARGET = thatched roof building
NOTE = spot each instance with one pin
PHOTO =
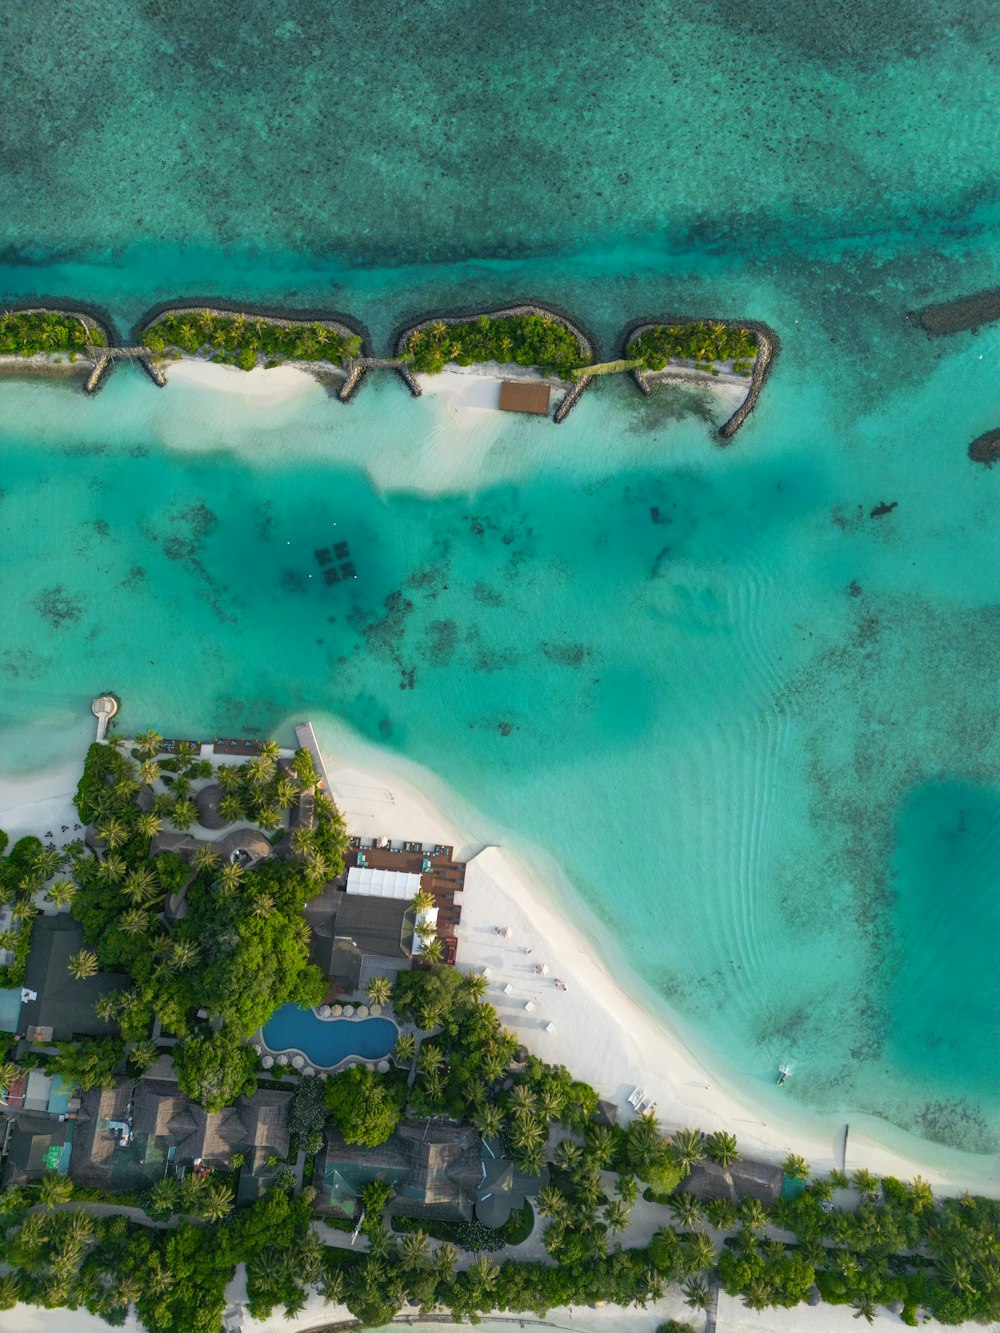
(208, 801)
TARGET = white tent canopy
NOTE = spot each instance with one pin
(382, 883)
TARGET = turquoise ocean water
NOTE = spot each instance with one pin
(755, 725)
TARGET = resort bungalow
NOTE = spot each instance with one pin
(740, 1180)
(56, 1006)
(365, 930)
(433, 1168)
(33, 1144)
(132, 1135)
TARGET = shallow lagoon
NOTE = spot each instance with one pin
(708, 682)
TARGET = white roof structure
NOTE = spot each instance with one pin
(372, 883)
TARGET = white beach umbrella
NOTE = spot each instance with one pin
(282, 1060)
(383, 1066)
(267, 1061)
(298, 1061)
(375, 1010)
(336, 1010)
(362, 1011)
(324, 1011)
(308, 1071)
(348, 1010)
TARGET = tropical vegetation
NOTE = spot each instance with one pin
(526, 340)
(25, 332)
(704, 342)
(248, 340)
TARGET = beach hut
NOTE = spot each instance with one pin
(207, 801)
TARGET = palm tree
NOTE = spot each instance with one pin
(955, 1273)
(285, 792)
(601, 1145)
(431, 1059)
(721, 1213)
(332, 1286)
(483, 1274)
(54, 1189)
(206, 857)
(185, 952)
(142, 1056)
(217, 1202)
(423, 902)
(114, 831)
(80, 1229)
(526, 1135)
(61, 894)
(696, 1293)
(699, 1252)
(82, 964)
(522, 1101)
(688, 1146)
(568, 1154)
(149, 772)
(106, 1007)
(551, 1201)
(24, 910)
(165, 1194)
(616, 1215)
(45, 863)
(433, 950)
(140, 885)
(405, 1046)
(721, 1147)
(490, 1120)
(8, 939)
(494, 1064)
(476, 985)
(183, 815)
(148, 824)
(416, 1248)
(445, 1261)
(134, 922)
(8, 1073)
(753, 1214)
(686, 1209)
(920, 1194)
(231, 875)
(112, 868)
(626, 1189)
(185, 752)
(795, 1167)
(864, 1308)
(379, 990)
(263, 905)
(192, 1188)
(149, 743)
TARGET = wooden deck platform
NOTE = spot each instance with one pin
(443, 878)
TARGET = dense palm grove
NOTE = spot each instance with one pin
(239, 953)
(25, 332)
(705, 342)
(248, 340)
(525, 340)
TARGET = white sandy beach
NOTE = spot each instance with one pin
(275, 385)
(600, 1030)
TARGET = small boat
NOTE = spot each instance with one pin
(783, 1073)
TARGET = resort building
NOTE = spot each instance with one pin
(130, 1136)
(743, 1179)
(437, 1169)
(56, 1006)
(33, 1144)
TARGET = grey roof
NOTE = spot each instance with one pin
(504, 1187)
(374, 924)
(64, 1007)
(253, 1125)
(321, 911)
(433, 1167)
(246, 838)
(31, 1137)
(207, 801)
(93, 1143)
(740, 1180)
(340, 960)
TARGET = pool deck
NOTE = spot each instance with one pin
(444, 879)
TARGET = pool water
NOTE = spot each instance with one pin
(10, 1009)
(327, 1042)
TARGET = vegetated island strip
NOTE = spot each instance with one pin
(46, 341)
(522, 336)
(702, 350)
(966, 312)
(327, 348)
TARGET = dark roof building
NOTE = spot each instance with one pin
(129, 1136)
(504, 1186)
(63, 1007)
(374, 925)
(35, 1145)
(432, 1166)
(207, 801)
(740, 1180)
(525, 396)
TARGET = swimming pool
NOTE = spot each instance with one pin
(327, 1042)
(10, 1009)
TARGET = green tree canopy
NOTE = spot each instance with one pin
(364, 1107)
